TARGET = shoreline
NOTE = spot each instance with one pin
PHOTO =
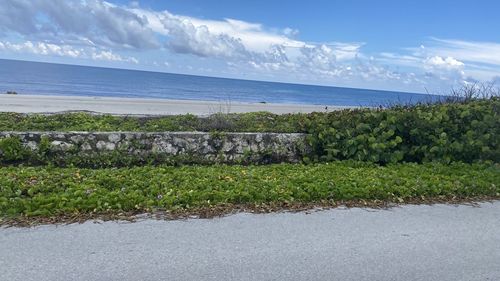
(145, 106)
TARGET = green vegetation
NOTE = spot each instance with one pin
(467, 131)
(44, 192)
(12, 150)
(437, 152)
(445, 132)
(245, 122)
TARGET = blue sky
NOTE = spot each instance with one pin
(392, 45)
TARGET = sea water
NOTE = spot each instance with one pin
(37, 78)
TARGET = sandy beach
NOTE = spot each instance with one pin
(135, 106)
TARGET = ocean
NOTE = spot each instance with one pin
(37, 78)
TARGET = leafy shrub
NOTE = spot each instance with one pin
(446, 132)
(12, 149)
(50, 191)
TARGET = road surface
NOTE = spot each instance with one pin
(440, 242)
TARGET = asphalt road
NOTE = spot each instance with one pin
(438, 242)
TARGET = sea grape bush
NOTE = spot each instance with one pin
(446, 132)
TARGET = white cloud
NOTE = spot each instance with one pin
(251, 35)
(49, 49)
(185, 37)
(320, 56)
(467, 51)
(453, 61)
(346, 51)
(400, 59)
(249, 44)
(444, 63)
(110, 56)
(93, 20)
(42, 48)
(290, 32)
(447, 69)
(228, 37)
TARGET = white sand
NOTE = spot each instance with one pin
(120, 106)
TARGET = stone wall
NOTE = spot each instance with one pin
(209, 147)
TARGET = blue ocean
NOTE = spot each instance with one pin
(37, 78)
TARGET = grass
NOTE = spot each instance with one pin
(50, 194)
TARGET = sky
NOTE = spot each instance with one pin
(415, 46)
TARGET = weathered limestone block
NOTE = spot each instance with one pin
(162, 146)
(32, 145)
(61, 145)
(86, 147)
(102, 145)
(76, 139)
(114, 138)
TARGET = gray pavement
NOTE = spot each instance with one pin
(440, 242)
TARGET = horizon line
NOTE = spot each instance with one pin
(220, 77)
